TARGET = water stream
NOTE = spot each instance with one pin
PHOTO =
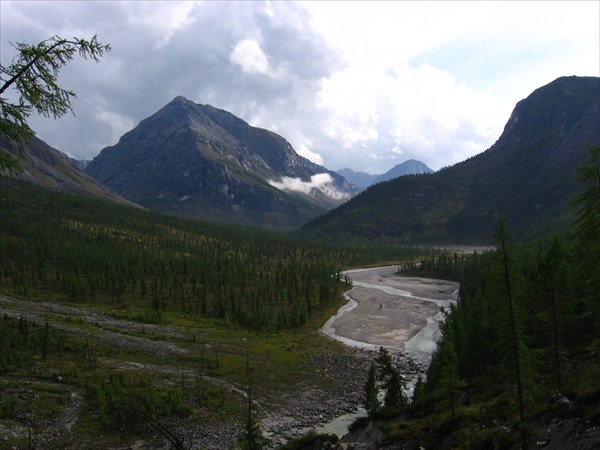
(419, 347)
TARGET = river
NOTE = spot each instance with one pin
(401, 314)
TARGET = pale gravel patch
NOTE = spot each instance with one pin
(390, 310)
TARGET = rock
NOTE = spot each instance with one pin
(562, 406)
(499, 439)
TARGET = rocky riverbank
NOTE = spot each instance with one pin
(298, 413)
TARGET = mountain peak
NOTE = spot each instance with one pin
(179, 99)
(364, 180)
(203, 162)
(409, 167)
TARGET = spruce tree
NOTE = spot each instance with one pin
(394, 384)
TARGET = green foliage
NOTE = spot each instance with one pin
(383, 375)
(394, 398)
(478, 348)
(587, 231)
(444, 265)
(126, 397)
(252, 438)
(372, 403)
(527, 314)
(34, 73)
(588, 201)
(450, 382)
(22, 341)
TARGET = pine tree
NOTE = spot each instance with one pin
(450, 381)
(252, 439)
(501, 236)
(550, 269)
(394, 384)
(372, 403)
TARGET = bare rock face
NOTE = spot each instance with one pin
(202, 162)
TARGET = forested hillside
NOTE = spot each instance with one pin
(518, 361)
(75, 249)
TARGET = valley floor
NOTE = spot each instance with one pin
(327, 382)
(390, 311)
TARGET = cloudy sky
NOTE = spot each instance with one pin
(364, 85)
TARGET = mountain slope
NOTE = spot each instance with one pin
(202, 162)
(50, 168)
(528, 176)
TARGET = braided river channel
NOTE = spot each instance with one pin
(401, 314)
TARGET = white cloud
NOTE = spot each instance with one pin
(304, 151)
(164, 19)
(118, 123)
(248, 55)
(269, 10)
(422, 110)
(321, 182)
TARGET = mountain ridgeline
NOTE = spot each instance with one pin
(201, 162)
(364, 180)
(529, 177)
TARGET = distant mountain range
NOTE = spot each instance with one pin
(364, 180)
(202, 162)
(528, 177)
